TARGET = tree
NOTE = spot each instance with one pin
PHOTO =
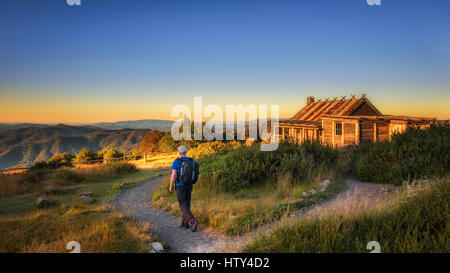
(61, 160)
(167, 144)
(132, 155)
(149, 143)
(112, 153)
(85, 154)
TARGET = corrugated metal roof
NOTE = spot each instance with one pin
(336, 107)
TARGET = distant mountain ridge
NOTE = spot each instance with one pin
(161, 125)
(31, 144)
(158, 124)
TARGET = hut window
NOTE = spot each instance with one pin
(339, 129)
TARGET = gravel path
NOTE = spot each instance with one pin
(137, 202)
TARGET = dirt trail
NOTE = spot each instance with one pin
(137, 202)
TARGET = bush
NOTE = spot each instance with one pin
(412, 155)
(85, 155)
(209, 148)
(132, 155)
(61, 160)
(248, 166)
(167, 144)
(111, 154)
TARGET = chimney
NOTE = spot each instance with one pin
(309, 100)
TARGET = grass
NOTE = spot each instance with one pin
(103, 190)
(36, 179)
(95, 229)
(157, 160)
(98, 228)
(416, 220)
(245, 210)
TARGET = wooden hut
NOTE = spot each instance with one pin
(344, 121)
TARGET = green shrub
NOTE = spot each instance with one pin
(209, 148)
(248, 166)
(167, 144)
(85, 155)
(111, 154)
(413, 154)
(61, 160)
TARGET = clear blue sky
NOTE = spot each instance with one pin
(112, 60)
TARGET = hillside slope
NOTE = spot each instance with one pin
(28, 145)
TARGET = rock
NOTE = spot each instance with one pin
(152, 251)
(82, 182)
(86, 193)
(87, 199)
(305, 194)
(314, 192)
(49, 189)
(296, 201)
(123, 183)
(157, 247)
(324, 184)
(43, 202)
(107, 207)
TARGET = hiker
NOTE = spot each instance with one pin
(184, 175)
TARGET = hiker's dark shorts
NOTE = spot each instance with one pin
(184, 200)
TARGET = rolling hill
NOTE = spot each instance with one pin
(25, 145)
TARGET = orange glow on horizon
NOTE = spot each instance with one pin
(81, 114)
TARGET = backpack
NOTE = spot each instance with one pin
(189, 171)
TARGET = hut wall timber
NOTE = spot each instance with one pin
(345, 122)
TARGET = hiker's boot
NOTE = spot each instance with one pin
(194, 226)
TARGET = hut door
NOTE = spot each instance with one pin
(366, 132)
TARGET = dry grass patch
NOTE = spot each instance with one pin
(97, 230)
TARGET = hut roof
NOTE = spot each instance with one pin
(314, 110)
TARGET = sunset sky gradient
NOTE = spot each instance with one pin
(123, 60)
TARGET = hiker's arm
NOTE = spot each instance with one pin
(172, 180)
